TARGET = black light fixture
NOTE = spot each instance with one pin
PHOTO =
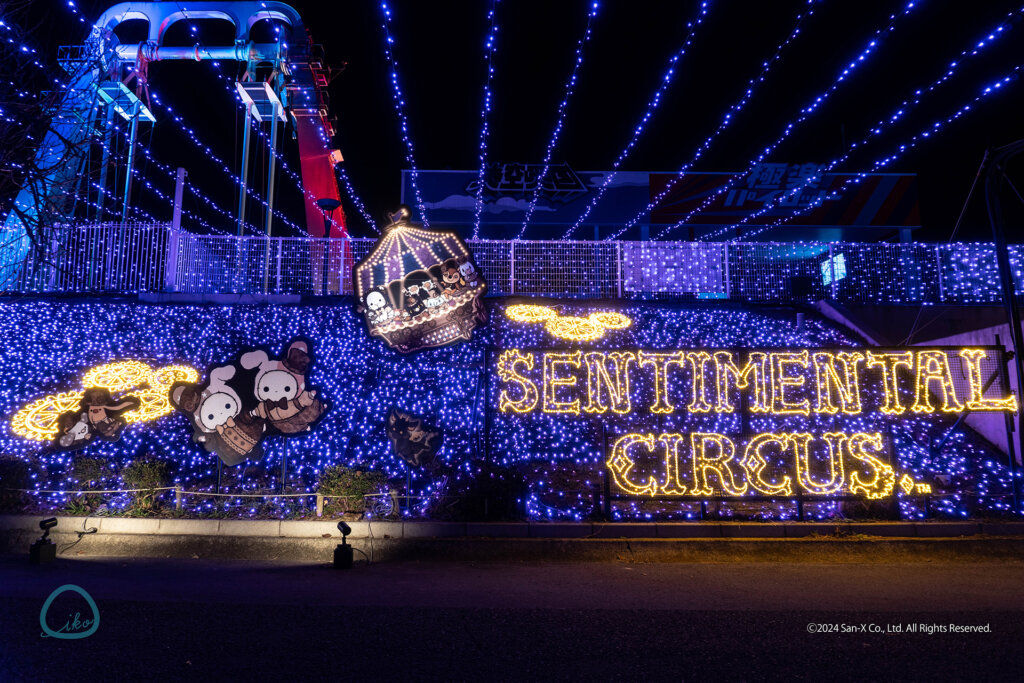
(343, 551)
(44, 550)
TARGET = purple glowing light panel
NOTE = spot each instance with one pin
(561, 457)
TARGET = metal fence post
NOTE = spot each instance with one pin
(319, 505)
(177, 496)
(618, 265)
(171, 265)
(280, 245)
(728, 278)
(832, 269)
(512, 268)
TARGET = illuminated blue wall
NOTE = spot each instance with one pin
(48, 346)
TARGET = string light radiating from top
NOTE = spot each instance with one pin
(666, 80)
(805, 112)
(986, 91)
(399, 100)
(569, 89)
(975, 48)
(492, 38)
(730, 116)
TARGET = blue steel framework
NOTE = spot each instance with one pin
(98, 72)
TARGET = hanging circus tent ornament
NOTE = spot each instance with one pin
(419, 288)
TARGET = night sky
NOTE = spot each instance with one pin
(440, 48)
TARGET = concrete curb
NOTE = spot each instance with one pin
(716, 550)
(538, 542)
(537, 530)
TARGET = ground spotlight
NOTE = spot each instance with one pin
(343, 551)
(44, 550)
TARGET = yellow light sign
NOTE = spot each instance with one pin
(573, 329)
(528, 313)
(570, 328)
(704, 464)
(813, 389)
(38, 419)
(800, 383)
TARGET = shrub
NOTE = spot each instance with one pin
(14, 474)
(88, 472)
(350, 485)
(145, 473)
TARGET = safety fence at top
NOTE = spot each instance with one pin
(138, 258)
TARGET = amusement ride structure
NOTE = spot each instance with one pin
(284, 79)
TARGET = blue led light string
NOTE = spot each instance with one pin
(992, 88)
(198, 194)
(666, 80)
(492, 38)
(209, 154)
(727, 119)
(805, 112)
(399, 100)
(902, 109)
(562, 108)
(53, 343)
(230, 85)
(355, 199)
(172, 174)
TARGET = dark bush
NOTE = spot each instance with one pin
(146, 473)
(349, 486)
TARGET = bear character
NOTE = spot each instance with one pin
(217, 418)
(73, 430)
(280, 387)
(451, 278)
(432, 297)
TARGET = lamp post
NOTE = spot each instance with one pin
(327, 205)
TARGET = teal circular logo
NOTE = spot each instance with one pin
(71, 630)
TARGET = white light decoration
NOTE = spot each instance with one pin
(419, 288)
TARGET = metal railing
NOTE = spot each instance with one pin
(136, 258)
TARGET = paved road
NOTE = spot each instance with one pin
(195, 620)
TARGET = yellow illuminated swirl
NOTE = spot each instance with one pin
(569, 327)
(120, 376)
(169, 374)
(611, 320)
(38, 420)
(528, 313)
(153, 404)
(574, 329)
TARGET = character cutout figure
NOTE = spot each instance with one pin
(432, 282)
(99, 417)
(378, 308)
(411, 438)
(451, 278)
(280, 386)
(469, 273)
(432, 294)
(217, 418)
(413, 296)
